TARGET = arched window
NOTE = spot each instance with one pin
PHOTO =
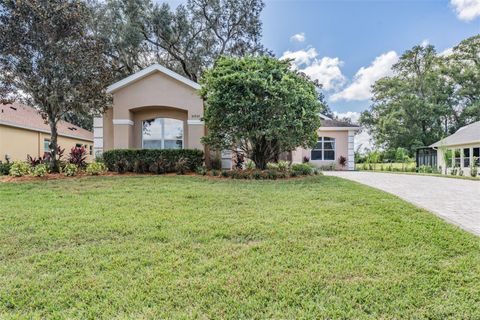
(324, 149)
(162, 133)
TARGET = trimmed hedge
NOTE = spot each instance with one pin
(145, 159)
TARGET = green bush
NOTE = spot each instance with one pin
(40, 170)
(121, 165)
(96, 168)
(225, 173)
(250, 165)
(70, 170)
(236, 174)
(19, 169)
(139, 166)
(216, 163)
(473, 171)
(126, 159)
(214, 173)
(453, 171)
(272, 166)
(181, 167)
(272, 174)
(283, 166)
(201, 171)
(5, 168)
(302, 169)
(257, 175)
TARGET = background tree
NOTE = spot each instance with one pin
(428, 97)
(261, 106)
(119, 23)
(50, 60)
(410, 108)
(187, 40)
(401, 155)
(462, 70)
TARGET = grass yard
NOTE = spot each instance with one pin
(189, 247)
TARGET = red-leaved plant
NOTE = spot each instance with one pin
(78, 156)
(342, 161)
(33, 161)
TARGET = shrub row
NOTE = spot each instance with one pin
(280, 170)
(4, 168)
(23, 168)
(153, 160)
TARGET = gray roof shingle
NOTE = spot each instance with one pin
(464, 135)
(337, 123)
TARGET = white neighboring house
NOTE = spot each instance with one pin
(465, 144)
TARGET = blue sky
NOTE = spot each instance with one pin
(349, 44)
(349, 35)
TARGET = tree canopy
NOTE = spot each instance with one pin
(187, 40)
(260, 106)
(428, 96)
(50, 59)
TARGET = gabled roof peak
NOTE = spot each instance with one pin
(148, 71)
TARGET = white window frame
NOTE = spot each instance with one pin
(45, 140)
(322, 142)
(163, 132)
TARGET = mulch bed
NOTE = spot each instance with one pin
(60, 176)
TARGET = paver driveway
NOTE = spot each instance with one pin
(455, 200)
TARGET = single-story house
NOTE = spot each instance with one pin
(24, 132)
(335, 140)
(465, 147)
(158, 108)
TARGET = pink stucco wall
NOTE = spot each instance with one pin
(341, 149)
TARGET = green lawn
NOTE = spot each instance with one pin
(188, 247)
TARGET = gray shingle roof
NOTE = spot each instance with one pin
(337, 123)
(464, 135)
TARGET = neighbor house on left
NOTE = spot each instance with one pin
(23, 132)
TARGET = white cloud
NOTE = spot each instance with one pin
(360, 88)
(326, 69)
(299, 37)
(446, 52)
(352, 115)
(466, 10)
(425, 43)
(327, 72)
(300, 57)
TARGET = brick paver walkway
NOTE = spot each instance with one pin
(455, 200)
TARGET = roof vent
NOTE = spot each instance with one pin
(72, 128)
(13, 108)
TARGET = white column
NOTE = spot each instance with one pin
(471, 156)
(97, 136)
(226, 156)
(461, 158)
(351, 150)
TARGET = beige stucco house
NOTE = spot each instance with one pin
(23, 132)
(158, 108)
(465, 146)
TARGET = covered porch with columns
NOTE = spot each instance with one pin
(464, 157)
